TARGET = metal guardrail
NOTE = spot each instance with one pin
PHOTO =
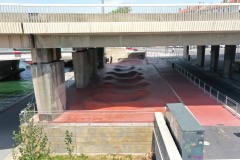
(40, 13)
(228, 103)
(156, 53)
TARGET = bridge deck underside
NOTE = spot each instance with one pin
(132, 91)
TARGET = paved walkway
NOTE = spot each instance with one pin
(226, 86)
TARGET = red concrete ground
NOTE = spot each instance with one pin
(132, 91)
(206, 109)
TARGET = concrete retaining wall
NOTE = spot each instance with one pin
(164, 145)
(102, 138)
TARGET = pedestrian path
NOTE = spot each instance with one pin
(205, 108)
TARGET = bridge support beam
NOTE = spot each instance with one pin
(48, 80)
(229, 57)
(81, 67)
(186, 52)
(214, 58)
(200, 55)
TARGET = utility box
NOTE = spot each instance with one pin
(187, 133)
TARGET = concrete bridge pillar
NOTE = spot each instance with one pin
(95, 62)
(214, 58)
(90, 53)
(185, 52)
(229, 58)
(81, 67)
(101, 57)
(48, 80)
(200, 55)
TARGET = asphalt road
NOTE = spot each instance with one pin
(9, 122)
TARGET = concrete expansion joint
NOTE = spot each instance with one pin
(39, 63)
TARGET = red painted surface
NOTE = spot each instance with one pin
(205, 108)
(130, 99)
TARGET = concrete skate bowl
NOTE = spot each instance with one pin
(125, 74)
(114, 86)
(120, 97)
(121, 69)
(135, 79)
(127, 61)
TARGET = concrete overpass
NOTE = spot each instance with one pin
(56, 26)
(86, 29)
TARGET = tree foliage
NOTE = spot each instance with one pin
(32, 142)
(121, 10)
(68, 141)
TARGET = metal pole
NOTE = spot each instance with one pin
(102, 7)
(217, 95)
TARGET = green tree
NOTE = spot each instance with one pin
(31, 141)
(121, 10)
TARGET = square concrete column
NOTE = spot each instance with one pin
(229, 58)
(95, 62)
(48, 81)
(185, 52)
(81, 68)
(101, 57)
(90, 60)
(214, 58)
(49, 86)
(200, 55)
(45, 55)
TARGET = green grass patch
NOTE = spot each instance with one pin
(9, 87)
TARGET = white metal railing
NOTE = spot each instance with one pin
(161, 53)
(40, 13)
(227, 102)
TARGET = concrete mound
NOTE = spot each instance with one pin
(114, 85)
(120, 97)
(123, 66)
(132, 79)
(131, 62)
(123, 69)
(125, 74)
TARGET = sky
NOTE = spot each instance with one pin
(110, 1)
